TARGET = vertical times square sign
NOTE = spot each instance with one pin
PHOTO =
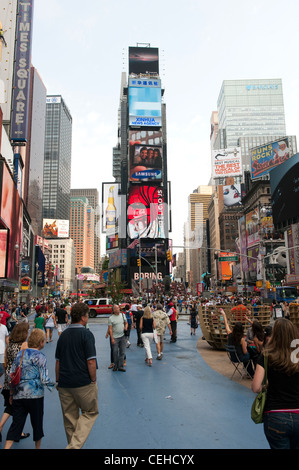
(21, 81)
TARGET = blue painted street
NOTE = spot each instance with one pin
(178, 403)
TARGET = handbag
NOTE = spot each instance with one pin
(15, 376)
(257, 409)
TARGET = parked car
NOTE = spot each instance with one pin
(100, 306)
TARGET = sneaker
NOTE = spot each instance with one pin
(128, 344)
(159, 357)
(122, 369)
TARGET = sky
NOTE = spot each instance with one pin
(80, 50)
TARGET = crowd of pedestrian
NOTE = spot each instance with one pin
(76, 360)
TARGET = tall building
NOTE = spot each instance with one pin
(82, 231)
(33, 188)
(197, 259)
(140, 166)
(62, 255)
(249, 113)
(57, 160)
(92, 195)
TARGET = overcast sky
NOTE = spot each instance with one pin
(80, 50)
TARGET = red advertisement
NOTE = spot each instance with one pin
(146, 212)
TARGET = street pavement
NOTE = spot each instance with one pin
(181, 402)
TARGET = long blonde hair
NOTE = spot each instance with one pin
(147, 313)
(279, 348)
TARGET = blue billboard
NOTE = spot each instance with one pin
(145, 108)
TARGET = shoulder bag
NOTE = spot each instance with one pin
(257, 409)
(15, 376)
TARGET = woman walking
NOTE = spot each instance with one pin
(281, 412)
(16, 343)
(28, 396)
(50, 323)
(147, 326)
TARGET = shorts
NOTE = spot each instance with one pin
(61, 327)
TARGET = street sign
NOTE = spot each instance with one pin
(228, 258)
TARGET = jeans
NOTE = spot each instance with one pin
(282, 430)
(119, 349)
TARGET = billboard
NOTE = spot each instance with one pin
(268, 156)
(226, 162)
(146, 218)
(145, 109)
(252, 227)
(21, 83)
(143, 60)
(8, 20)
(232, 195)
(3, 251)
(284, 182)
(11, 218)
(55, 228)
(145, 162)
(111, 207)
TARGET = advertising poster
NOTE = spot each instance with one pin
(226, 267)
(266, 157)
(111, 202)
(55, 228)
(243, 244)
(146, 212)
(143, 60)
(232, 195)
(252, 228)
(11, 212)
(145, 108)
(3, 251)
(145, 163)
(292, 241)
(226, 162)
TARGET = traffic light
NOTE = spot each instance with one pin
(169, 256)
(138, 262)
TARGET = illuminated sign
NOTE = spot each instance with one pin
(145, 162)
(146, 212)
(145, 103)
(143, 60)
(21, 85)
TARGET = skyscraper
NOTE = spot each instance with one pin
(57, 160)
(250, 113)
(92, 195)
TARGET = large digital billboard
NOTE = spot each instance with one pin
(266, 157)
(146, 218)
(145, 103)
(55, 228)
(143, 60)
(145, 162)
(284, 181)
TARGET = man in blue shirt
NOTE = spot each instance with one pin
(76, 376)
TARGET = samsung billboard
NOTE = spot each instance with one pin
(145, 109)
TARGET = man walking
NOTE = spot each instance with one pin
(76, 376)
(117, 325)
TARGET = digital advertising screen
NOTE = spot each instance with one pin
(145, 163)
(146, 218)
(143, 60)
(145, 108)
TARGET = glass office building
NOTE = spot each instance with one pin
(251, 108)
(250, 113)
(57, 160)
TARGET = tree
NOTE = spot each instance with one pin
(115, 291)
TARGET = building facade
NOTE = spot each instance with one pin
(57, 160)
(62, 256)
(82, 232)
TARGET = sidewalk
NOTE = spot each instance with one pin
(181, 402)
